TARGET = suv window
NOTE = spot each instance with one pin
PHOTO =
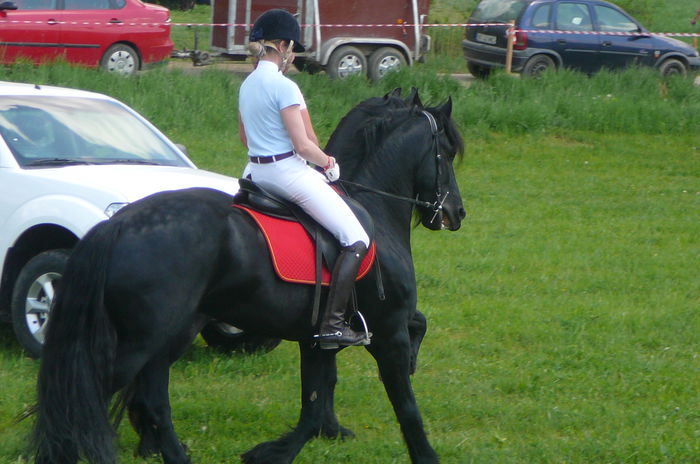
(499, 11)
(612, 20)
(573, 17)
(540, 19)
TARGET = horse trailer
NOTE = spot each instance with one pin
(348, 37)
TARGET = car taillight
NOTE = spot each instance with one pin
(520, 42)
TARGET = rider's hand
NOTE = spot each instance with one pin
(332, 170)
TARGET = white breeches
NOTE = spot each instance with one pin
(295, 181)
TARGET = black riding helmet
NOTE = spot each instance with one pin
(277, 24)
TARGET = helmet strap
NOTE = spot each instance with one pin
(286, 56)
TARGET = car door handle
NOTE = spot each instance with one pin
(561, 41)
(52, 22)
(115, 21)
(607, 44)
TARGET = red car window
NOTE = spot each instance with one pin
(87, 5)
(35, 4)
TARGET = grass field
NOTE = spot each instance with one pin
(563, 316)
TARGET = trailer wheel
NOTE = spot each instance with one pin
(307, 66)
(346, 61)
(385, 60)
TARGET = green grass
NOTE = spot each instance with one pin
(562, 317)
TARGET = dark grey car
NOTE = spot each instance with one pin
(585, 35)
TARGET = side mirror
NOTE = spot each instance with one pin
(182, 148)
(8, 6)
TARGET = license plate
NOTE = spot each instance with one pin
(485, 38)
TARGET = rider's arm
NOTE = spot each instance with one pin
(308, 126)
(303, 145)
(241, 131)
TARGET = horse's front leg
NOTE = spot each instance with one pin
(330, 427)
(393, 356)
(417, 327)
(316, 364)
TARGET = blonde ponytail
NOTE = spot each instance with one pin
(259, 49)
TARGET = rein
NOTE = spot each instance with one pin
(436, 206)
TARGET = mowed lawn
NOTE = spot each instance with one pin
(563, 316)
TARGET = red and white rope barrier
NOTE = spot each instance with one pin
(390, 25)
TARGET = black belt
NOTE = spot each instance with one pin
(270, 159)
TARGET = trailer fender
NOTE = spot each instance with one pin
(366, 44)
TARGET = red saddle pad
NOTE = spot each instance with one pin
(293, 251)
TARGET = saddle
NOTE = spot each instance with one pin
(261, 204)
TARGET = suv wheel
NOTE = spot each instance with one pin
(478, 71)
(346, 61)
(673, 67)
(227, 338)
(538, 64)
(32, 296)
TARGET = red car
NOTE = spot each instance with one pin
(118, 35)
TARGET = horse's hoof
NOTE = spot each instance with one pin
(146, 451)
(271, 452)
(341, 433)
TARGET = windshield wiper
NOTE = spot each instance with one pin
(57, 162)
(129, 161)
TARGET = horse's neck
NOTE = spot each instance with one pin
(392, 217)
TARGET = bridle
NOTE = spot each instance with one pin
(436, 206)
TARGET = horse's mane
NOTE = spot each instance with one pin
(356, 139)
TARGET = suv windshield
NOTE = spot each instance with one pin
(52, 131)
(499, 11)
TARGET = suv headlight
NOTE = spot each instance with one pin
(112, 209)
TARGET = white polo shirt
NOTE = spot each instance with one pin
(263, 94)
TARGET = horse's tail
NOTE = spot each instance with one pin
(75, 378)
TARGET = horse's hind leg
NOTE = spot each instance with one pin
(149, 405)
(393, 355)
(315, 365)
(149, 413)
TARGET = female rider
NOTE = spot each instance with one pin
(279, 146)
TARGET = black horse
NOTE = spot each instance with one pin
(139, 287)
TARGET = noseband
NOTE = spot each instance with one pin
(436, 206)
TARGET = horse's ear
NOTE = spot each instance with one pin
(394, 93)
(446, 108)
(413, 98)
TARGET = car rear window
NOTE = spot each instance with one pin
(499, 11)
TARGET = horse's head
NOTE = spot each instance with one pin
(436, 183)
(401, 149)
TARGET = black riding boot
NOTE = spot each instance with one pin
(335, 331)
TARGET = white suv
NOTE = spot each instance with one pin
(68, 160)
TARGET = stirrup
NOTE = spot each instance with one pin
(368, 334)
(332, 341)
